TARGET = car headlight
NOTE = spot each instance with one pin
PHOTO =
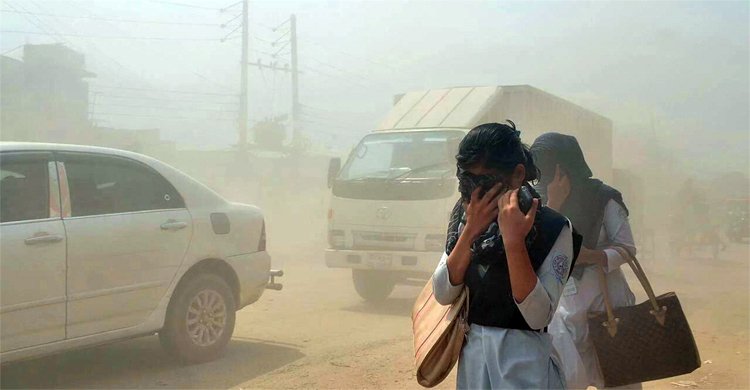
(336, 239)
(434, 242)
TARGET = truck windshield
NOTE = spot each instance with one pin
(419, 154)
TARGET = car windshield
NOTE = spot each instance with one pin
(419, 154)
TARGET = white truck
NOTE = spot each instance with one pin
(392, 197)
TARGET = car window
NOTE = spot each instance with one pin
(24, 188)
(106, 185)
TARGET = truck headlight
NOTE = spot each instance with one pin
(434, 242)
(336, 239)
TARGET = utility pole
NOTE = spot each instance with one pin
(295, 83)
(243, 77)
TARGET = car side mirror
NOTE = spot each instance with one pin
(334, 166)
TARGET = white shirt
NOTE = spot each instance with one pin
(615, 230)
(569, 327)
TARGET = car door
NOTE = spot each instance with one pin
(32, 252)
(128, 232)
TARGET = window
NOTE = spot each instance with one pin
(24, 187)
(106, 185)
(388, 155)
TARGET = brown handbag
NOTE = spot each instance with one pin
(439, 333)
(648, 341)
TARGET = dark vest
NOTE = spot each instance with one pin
(491, 301)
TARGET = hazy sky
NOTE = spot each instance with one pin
(682, 66)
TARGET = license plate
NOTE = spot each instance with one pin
(379, 260)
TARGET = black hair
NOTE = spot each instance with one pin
(552, 149)
(495, 146)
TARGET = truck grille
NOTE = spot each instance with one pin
(381, 240)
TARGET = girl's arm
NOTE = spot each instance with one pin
(541, 303)
(514, 226)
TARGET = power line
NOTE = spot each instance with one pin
(164, 108)
(225, 24)
(187, 5)
(214, 82)
(105, 96)
(270, 66)
(110, 37)
(231, 32)
(230, 6)
(162, 116)
(282, 36)
(382, 64)
(335, 77)
(280, 25)
(267, 53)
(40, 25)
(13, 49)
(267, 27)
(109, 19)
(165, 90)
(263, 40)
(342, 70)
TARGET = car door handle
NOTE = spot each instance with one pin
(173, 225)
(43, 238)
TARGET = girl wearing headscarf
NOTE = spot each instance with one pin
(514, 264)
(597, 212)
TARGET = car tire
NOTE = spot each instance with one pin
(200, 320)
(373, 286)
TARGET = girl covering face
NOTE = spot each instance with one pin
(515, 265)
(599, 214)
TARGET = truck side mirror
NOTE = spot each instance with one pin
(334, 166)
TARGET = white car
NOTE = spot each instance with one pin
(98, 245)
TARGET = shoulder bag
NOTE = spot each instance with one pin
(439, 333)
(648, 341)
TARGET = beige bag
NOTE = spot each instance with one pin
(439, 333)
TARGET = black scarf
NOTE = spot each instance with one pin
(487, 277)
(588, 197)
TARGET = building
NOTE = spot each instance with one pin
(45, 96)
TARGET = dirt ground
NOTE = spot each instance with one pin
(317, 333)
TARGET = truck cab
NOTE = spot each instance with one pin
(390, 205)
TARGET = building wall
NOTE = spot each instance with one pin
(45, 96)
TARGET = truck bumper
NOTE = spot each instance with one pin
(252, 271)
(406, 261)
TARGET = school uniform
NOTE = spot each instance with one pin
(599, 214)
(507, 346)
(583, 294)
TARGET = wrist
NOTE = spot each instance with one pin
(471, 232)
(513, 244)
(603, 259)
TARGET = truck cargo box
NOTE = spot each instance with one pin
(534, 111)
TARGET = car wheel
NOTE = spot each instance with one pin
(200, 320)
(373, 286)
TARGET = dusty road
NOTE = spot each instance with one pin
(317, 333)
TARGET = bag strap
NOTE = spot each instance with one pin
(658, 312)
(611, 323)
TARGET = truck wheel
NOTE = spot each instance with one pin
(200, 320)
(373, 286)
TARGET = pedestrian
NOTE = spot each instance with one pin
(599, 214)
(514, 265)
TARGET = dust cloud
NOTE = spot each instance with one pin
(657, 93)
